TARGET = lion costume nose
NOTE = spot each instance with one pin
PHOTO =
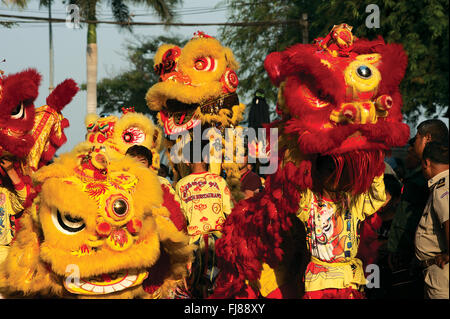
(119, 239)
(365, 112)
(355, 113)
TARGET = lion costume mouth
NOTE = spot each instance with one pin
(106, 283)
(178, 116)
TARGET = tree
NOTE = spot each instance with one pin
(253, 43)
(420, 25)
(129, 87)
(121, 13)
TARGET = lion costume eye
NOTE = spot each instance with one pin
(133, 135)
(67, 224)
(364, 72)
(18, 112)
(205, 64)
(120, 207)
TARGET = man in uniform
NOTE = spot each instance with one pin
(406, 281)
(432, 239)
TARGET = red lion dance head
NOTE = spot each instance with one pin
(30, 136)
(338, 98)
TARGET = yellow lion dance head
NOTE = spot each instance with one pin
(197, 86)
(97, 229)
(116, 134)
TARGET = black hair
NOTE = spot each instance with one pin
(436, 128)
(140, 150)
(6, 182)
(436, 152)
(392, 185)
(164, 168)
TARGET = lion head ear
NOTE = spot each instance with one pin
(161, 52)
(157, 139)
(272, 65)
(231, 61)
(62, 167)
(90, 120)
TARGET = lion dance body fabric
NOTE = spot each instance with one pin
(338, 98)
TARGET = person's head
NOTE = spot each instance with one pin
(196, 159)
(434, 159)
(141, 153)
(429, 130)
(326, 175)
(163, 170)
(393, 187)
(412, 160)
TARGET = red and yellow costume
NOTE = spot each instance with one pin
(116, 134)
(30, 135)
(337, 97)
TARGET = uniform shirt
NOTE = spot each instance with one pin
(332, 234)
(206, 202)
(430, 235)
(10, 204)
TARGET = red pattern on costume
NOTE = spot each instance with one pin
(316, 269)
(176, 215)
(332, 293)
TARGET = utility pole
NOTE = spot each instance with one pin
(304, 25)
(50, 35)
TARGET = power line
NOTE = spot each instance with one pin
(130, 23)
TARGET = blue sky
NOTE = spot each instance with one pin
(27, 45)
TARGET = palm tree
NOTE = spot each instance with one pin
(22, 4)
(121, 13)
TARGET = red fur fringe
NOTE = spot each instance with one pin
(22, 87)
(176, 215)
(253, 232)
(62, 94)
(361, 166)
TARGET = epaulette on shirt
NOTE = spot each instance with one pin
(440, 183)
